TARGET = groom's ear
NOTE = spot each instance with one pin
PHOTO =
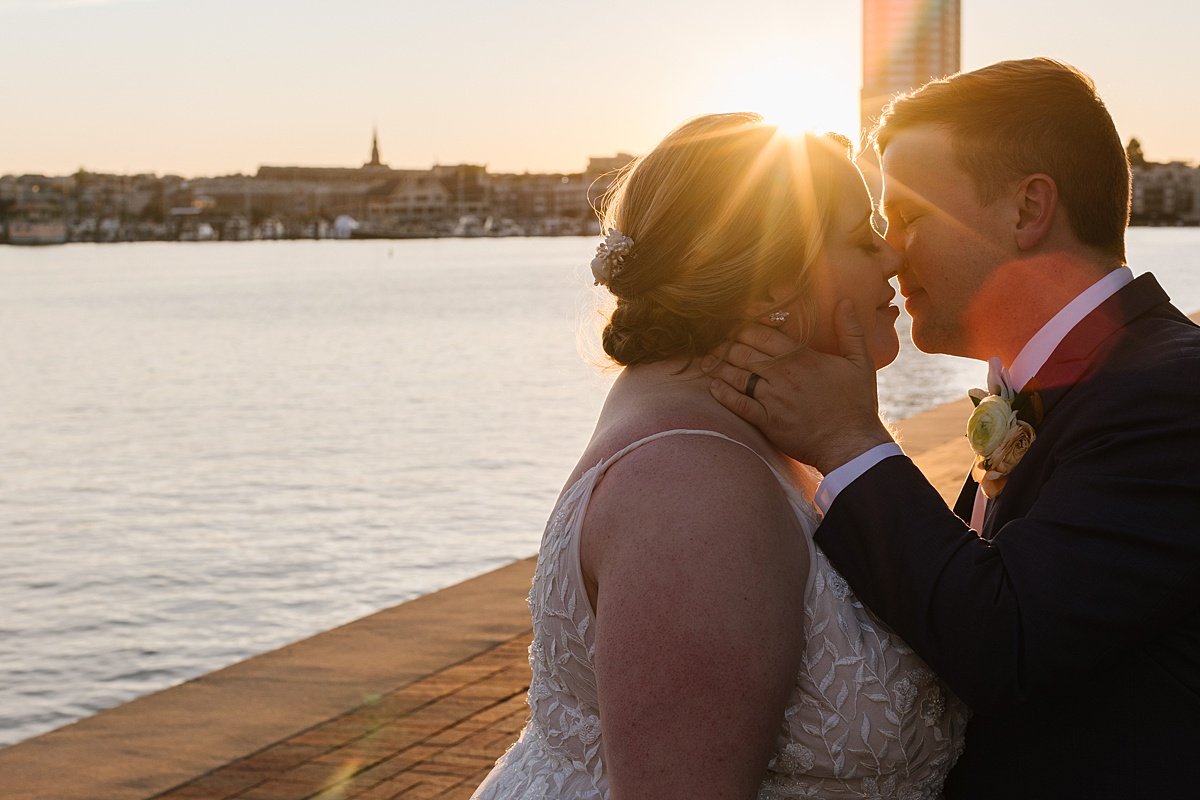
(1036, 200)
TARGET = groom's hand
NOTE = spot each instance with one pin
(818, 408)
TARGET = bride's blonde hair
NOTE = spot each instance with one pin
(723, 208)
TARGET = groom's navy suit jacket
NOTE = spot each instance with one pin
(1071, 627)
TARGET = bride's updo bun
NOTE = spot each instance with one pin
(723, 208)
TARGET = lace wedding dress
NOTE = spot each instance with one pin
(866, 719)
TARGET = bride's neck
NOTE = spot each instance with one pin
(672, 373)
(676, 394)
(664, 389)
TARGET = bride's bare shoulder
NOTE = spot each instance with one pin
(685, 486)
(639, 406)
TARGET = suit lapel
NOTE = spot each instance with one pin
(965, 503)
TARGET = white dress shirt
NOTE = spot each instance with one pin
(1032, 357)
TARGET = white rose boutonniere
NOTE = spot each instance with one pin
(998, 438)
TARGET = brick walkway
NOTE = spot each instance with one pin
(436, 737)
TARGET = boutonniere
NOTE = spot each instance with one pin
(999, 439)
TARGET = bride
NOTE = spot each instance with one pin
(690, 641)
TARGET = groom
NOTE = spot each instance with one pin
(1060, 599)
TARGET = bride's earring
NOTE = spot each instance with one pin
(779, 317)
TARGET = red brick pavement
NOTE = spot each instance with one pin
(436, 737)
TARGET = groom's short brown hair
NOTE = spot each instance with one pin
(1017, 118)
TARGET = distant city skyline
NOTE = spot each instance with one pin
(223, 87)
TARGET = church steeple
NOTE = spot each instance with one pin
(374, 162)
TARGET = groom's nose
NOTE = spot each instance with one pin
(902, 271)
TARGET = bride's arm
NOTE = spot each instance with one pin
(700, 566)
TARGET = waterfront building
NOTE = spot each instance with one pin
(906, 43)
(8, 190)
(524, 196)
(601, 173)
(1165, 194)
(468, 187)
(103, 204)
(40, 221)
(411, 203)
(40, 188)
(571, 196)
(369, 173)
(544, 203)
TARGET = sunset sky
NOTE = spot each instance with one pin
(207, 87)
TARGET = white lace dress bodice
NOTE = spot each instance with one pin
(866, 718)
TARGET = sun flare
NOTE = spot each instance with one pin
(789, 93)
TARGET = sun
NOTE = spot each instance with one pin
(789, 92)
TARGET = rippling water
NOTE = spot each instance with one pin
(210, 450)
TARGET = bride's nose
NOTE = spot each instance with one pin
(892, 260)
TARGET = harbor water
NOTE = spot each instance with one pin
(211, 450)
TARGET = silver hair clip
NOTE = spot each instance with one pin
(610, 256)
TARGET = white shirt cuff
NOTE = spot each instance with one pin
(852, 470)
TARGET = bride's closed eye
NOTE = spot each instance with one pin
(870, 246)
